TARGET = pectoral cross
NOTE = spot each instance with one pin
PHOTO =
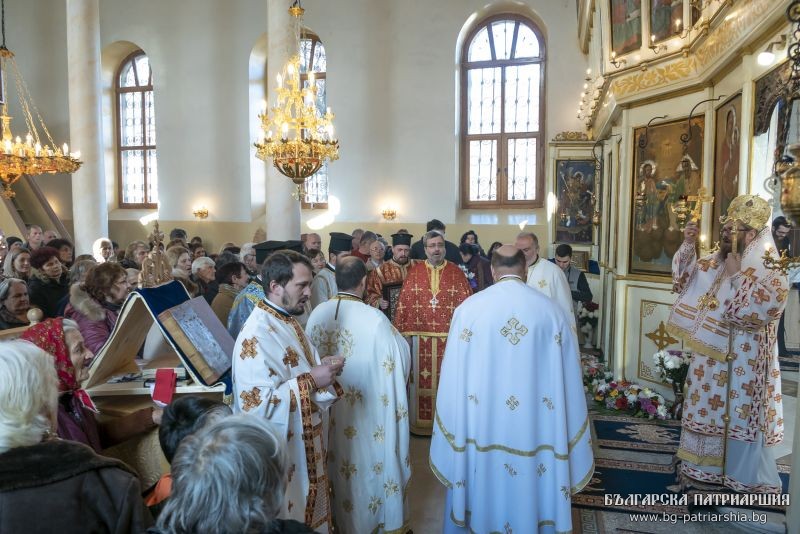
(434, 302)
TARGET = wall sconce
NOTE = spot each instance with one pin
(389, 214)
(657, 48)
(617, 62)
(767, 57)
(200, 212)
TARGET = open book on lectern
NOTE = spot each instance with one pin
(190, 327)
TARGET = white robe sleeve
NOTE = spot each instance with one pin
(320, 291)
(562, 294)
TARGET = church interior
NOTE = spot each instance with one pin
(607, 125)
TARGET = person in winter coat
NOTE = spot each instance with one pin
(52, 485)
(95, 303)
(49, 282)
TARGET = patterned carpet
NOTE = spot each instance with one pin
(635, 456)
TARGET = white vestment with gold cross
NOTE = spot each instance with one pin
(716, 315)
(368, 457)
(271, 362)
(511, 439)
(548, 278)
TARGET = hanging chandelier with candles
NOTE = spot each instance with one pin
(30, 156)
(297, 138)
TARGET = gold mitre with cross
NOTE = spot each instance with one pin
(751, 210)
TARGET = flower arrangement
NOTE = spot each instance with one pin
(620, 395)
(673, 365)
(473, 282)
(632, 398)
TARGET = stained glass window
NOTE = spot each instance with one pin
(312, 58)
(502, 114)
(137, 172)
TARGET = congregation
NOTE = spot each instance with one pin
(338, 359)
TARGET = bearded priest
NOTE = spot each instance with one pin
(278, 374)
(368, 463)
(390, 272)
(511, 450)
(727, 313)
(433, 290)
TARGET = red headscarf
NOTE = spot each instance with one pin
(49, 336)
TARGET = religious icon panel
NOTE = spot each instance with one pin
(626, 25)
(726, 158)
(667, 170)
(575, 189)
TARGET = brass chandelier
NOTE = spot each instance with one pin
(297, 137)
(30, 156)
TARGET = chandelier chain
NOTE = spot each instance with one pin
(3, 20)
(26, 102)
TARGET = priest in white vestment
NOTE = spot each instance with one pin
(368, 460)
(545, 276)
(323, 288)
(278, 374)
(511, 440)
(727, 313)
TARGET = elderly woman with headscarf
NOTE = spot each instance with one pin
(18, 264)
(76, 411)
(49, 281)
(49, 485)
(14, 303)
(95, 303)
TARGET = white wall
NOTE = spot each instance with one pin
(391, 82)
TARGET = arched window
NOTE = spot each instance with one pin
(137, 174)
(502, 114)
(312, 58)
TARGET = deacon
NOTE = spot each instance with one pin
(545, 276)
(278, 374)
(433, 289)
(390, 272)
(324, 286)
(369, 464)
(514, 448)
(727, 312)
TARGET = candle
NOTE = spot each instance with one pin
(29, 139)
(652, 38)
(280, 80)
(588, 72)
(76, 155)
(38, 149)
(613, 55)
(8, 146)
(65, 149)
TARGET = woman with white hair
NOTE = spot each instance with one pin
(46, 484)
(102, 250)
(204, 272)
(229, 477)
(14, 303)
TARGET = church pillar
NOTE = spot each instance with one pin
(283, 210)
(89, 209)
(793, 512)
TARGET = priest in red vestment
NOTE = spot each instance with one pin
(431, 292)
